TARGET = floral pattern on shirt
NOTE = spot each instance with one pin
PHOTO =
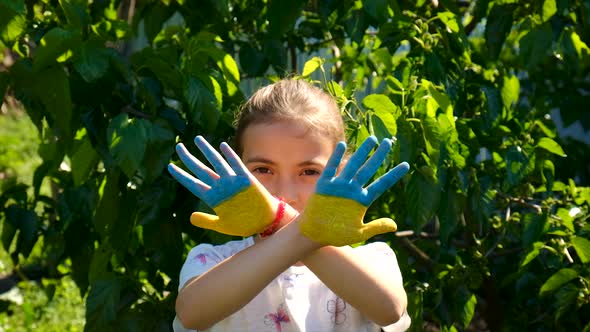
(336, 308)
(278, 318)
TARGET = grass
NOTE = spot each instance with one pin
(48, 305)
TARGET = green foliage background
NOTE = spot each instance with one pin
(493, 217)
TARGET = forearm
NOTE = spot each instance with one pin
(217, 294)
(365, 287)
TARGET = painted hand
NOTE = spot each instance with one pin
(334, 213)
(243, 206)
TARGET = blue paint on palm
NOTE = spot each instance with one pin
(350, 182)
(212, 187)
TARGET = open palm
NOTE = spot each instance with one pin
(243, 206)
(334, 213)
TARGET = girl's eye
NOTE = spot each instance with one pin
(310, 172)
(261, 170)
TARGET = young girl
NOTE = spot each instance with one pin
(302, 208)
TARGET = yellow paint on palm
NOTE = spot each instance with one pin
(247, 213)
(337, 221)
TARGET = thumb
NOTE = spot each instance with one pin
(205, 220)
(378, 226)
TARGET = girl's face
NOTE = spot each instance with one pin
(285, 159)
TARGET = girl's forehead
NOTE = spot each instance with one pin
(284, 140)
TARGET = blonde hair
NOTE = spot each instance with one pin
(292, 100)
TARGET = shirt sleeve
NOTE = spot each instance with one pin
(383, 257)
(205, 256)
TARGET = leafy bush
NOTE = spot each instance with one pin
(491, 224)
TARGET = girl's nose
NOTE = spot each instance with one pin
(287, 190)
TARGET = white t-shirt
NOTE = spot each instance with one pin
(296, 300)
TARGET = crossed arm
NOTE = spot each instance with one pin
(211, 297)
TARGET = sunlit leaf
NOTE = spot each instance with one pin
(450, 20)
(53, 44)
(510, 91)
(549, 9)
(582, 247)
(311, 66)
(557, 280)
(551, 146)
(385, 112)
(537, 246)
(468, 310)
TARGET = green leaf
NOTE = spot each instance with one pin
(441, 99)
(468, 310)
(3, 82)
(102, 302)
(423, 196)
(549, 9)
(537, 246)
(17, 6)
(582, 247)
(449, 214)
(551, 146)
(231, 73)
(377, 9)
(100, 260)
(356, 26)
(510, 91)
(252, 61)
(282, 16)
(27, 222)
(548, 174)
(204, 102)
(385, 114)
(8, 232)
(83, 161)
(75, 12)
(534, 227)
(160, 149)
(159, 63)
(516, 165)
(498, 25)
(450, 20)
(92, 61)
(53, 45)
(107, 211)
(535, 45)
(12, 25)
(127, 140)
(494, 106)
(311, 66)
(557, 280)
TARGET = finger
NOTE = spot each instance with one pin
(234, 161)
(358, 158)
(334, 161)
(373, 164)
(195, 186)
(390, 178)
(199, 169)
(220, 165)
(379, 226)
(204, 220)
